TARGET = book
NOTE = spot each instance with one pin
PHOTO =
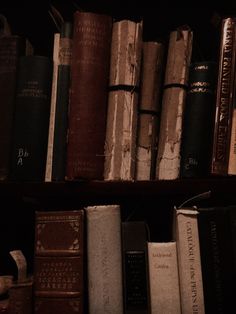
(224, 98)
(173, 103)
(88, 95)
(186, 235)
(198, 121)
(59, 262)
(122, 112)
(57, 138)
(135, 267)
(164, 278)
(31, 120)
(104, 259)
(149, 109)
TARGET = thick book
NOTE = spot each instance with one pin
(217, 244)
(104, 265)
(21, 298)
(149, 109)
(173, 103)
(135, 267)
(224, 97)
(164, 278)
(198, 122)
(88, 95)
(122, 113)
(31, 120)
(57, 138)
(59, 262)
(186, 235)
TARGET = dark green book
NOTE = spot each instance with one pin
(31, 121)
(198, 121)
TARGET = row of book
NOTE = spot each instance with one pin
(90, 261)
(103, 108)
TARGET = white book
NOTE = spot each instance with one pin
(164, 278)
(104, 259)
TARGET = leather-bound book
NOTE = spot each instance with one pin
(31, 120)
(21, 297)
(88, 95)
(198, 122)
(58, 262)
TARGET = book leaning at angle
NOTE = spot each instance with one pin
(104, 259)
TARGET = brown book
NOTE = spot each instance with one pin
(20, 298)
(58, 262)
(224, 98)
(88, 95)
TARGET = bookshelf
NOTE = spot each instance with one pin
(152, 201)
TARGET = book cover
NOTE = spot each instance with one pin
(59, 262)
(104, 263)
(88, 95)
(31, 120)
(198, 122)
(135, 267)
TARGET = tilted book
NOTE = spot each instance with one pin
(122, 114)
(164, 278)
(59, 262)
(173, 103)
(149, 109)
(105, 293)
(88, 95)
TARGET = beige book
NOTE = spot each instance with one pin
(164, 278)
(104, 261)
(149, 109)
(173, 102)
(189, 261)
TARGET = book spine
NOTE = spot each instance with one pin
(164, 278)
(135, 267)
(224, 98)
(58, 262)
(120, 145)
(21, 298)
(189, 262)
(173, 102)
(88, 96)
(104, 259)
(29, 150)
(198, 122)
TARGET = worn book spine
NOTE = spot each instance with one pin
(56, 156)
(88, 95)
(59, 262)
(11, 48)
(121, 125)
(149, 109)
(31, 120)
(189, 261)
(173, 103)
(198, 122)
(224, 98)
(135, 267)
(164, 278)
(105, 293)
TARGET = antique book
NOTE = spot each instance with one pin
(57, 138)
(88, 95)
(173, 103)
(135, 267)
(31, 120)
(122, 114)
(198, 121)
(164, 278)
(59, 262)
(104, 266)
(152, 67)
(11, 48)
(224, 98)
(217, 245)
(21, 297)
(186, 235)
